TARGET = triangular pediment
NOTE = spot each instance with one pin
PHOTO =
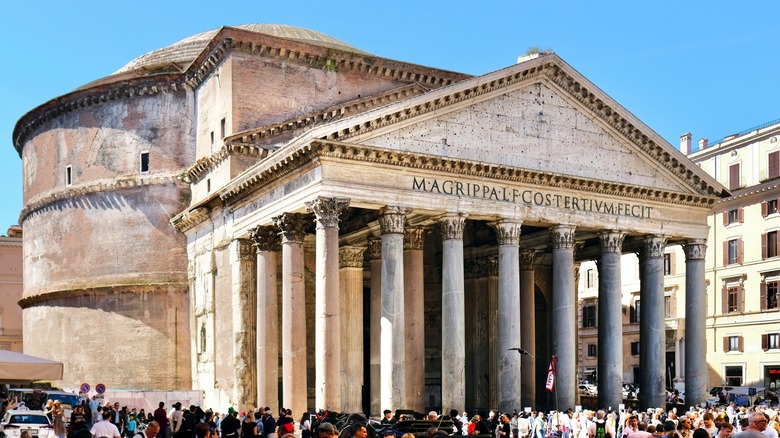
(539, 115)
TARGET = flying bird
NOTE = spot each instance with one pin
(522, 352)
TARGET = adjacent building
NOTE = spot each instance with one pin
(11, 290)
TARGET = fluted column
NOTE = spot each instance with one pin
(267, 243)
(294, 388)
(327, 325)
(695, 319)
(392, 330)
(351, 281)
(375, 303)
(610, 320)
(414, 315)
(652, 327)
(564, 327)
(509, 339)
(242, 264)
(453, 357)
(527, 329)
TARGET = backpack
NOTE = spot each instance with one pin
(601, 429)
(288, 428)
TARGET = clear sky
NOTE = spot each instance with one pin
(705, 67)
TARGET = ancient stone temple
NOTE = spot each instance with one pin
(280, 219)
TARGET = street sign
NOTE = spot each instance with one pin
(85, 388)
(100, 388)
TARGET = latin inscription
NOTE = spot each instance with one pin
(528, 197)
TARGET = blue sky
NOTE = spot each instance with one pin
(705, 67)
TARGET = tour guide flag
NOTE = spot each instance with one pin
(550, 386)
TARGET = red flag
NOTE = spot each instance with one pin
(550, 386)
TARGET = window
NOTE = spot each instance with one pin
(635, 348)
(669, 263)
(769, 207)
(208, 185)
(769, 244)
(733, 296)
(732, 252)
(769, 293)
(735, 216)
(589, 316)
(770, 341)
(634, 313)
(68, 175)
(592, 350)
(590, 278)
(222, 128)
(733, 300)
(733, 375)
(212, 138)
(773, 165)
(668, 306)
(144, 162)
(734, 177)
(733, 344)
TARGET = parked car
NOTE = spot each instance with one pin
(588, 389)
(35, 422)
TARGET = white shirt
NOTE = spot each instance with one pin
(770, 432)
(104, 428)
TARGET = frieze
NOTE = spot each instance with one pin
(452, 226)
(695, 249)
(327, 210)
(508, 233)
(527, 259)
(562, 237)
(392, 219)
(351, 256)
(480, 268)
(265, 238)
(414, 238)
(654, 246)
(375, 248)
(611, 241)
(293, 226)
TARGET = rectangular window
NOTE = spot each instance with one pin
(733, 299)
(68, 175)
(635, 348)
(770, 341)
(668, 306)
(772, 290)
(769, 207)
(734, 177)
(144, 162)
(733, 375)
(592, 350)
(589, 316)
(634, 313)
(222, 128)
(769, 245)
(732, 344)
(590, 278)
(733, 252)
(732, 216)
(773, 165)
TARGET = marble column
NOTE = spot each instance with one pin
(392, 326)
(267, 244)
(528, 329)
(564, 327)
(375, 303)
(610, 320)
(489, 266)
(414, 315)
(509, 338)
(351, 285)
(652, 327)
(453, 355)
(695, 319)
(327, 325)
(243, 303)
(294, 386)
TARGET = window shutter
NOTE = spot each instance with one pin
(726, 344)
(672, 261)
(741, 300)
(741, 344)
(741, 215)
(765, 342)
(762, 294)
(734, 176)
(725, 218)
(739, 250)
(763, 209)
(763, 246)
(774, 164)
(726, 253)
(725, 294)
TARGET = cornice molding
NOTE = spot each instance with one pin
(159, 287)
(43, 203)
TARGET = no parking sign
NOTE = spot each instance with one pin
(85, 388)
(100, 388)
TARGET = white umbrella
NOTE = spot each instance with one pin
(21, 368)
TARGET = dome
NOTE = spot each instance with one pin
(186, 50)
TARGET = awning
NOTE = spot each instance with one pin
(21, 368)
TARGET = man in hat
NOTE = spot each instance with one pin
(388, 418)
(230, 425)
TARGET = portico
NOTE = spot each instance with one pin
(462, 212)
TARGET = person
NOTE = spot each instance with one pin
(131, 426)
(433, 415)
(505, 428)
(230, 424)
(141, 417)
(58, 414)
(641, 431)
(523, 426)
(118, 417)
(104, 428)
(769, 431)
(358, 430)
(269, 423)
(161, 417)
(457, 425)
(77, 418)
(305, 426)
(151, 431)
(388, 417)
(188, 422)
(756, 424)
(600, 428)
(176, 416)
(326, 430)
(285, 424)
(726, 429)
(684, 427)
(708, 424)
(203, 431)
(249, 426)
(631, 426)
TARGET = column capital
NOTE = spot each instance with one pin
(695, 249)
(653, 246)
(375, 248)
(293, 226)
(507, 232)
(527, 259)
(452, 226)
(265, 238)
(562, 237)
(612, 241)
(414, 238)
(392, 219)
(327, 210)
(244, 249)
(351, 256)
